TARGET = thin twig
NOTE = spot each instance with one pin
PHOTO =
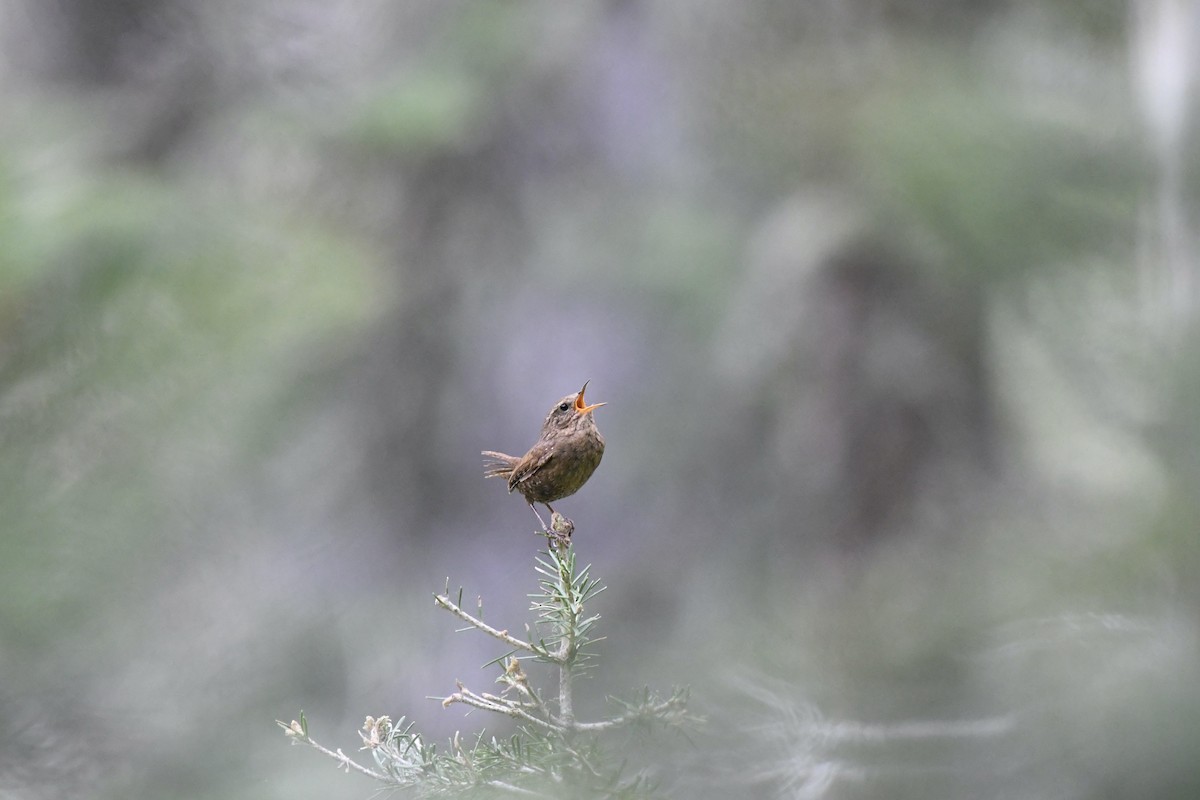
(566, 708)
(345, 760)
(518, 790)
(500, 706)
(650, 712)
(567, 651)
(504, 636)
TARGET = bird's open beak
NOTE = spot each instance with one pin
(580, 407)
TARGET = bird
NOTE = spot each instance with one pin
(562, 459)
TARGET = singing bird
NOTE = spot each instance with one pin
(560, 462)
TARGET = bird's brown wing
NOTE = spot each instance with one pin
(535, 459)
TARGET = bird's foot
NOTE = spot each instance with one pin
(560, 531)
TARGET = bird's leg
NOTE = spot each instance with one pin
(545, 530)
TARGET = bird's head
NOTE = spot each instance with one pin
(571, 413)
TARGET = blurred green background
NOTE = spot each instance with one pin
(893, 304)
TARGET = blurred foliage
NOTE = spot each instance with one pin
(1009, 179)
(901, 424)
(145, 323)
(419, 113)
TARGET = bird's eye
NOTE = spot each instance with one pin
(564, 407)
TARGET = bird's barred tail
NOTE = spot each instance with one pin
(498, 465)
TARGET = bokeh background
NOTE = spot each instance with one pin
(893, 304)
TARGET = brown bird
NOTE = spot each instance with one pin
(560, 462)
